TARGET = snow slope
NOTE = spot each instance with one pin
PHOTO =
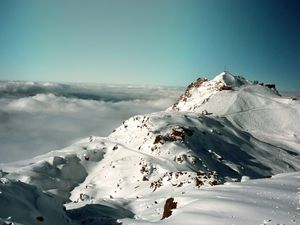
(263, 201)
(250, 106)
(219, 133)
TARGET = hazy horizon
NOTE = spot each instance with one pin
(182, 87)
(37, 117)
(169, 42)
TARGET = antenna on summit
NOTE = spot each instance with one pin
(225, 69)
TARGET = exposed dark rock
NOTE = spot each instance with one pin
(225, 88)
(40, 218)
(169, 205)
(159, 139)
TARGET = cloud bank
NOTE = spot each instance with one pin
(39, 117)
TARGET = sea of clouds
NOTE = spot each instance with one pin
(36, 118)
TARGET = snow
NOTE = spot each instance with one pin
(27, 204)
(230, 80)
(252, 107)
(263, 201)
(238, 163)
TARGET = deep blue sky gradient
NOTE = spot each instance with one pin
(164, 42)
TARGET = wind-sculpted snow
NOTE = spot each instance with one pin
(28, 205)
(216, 160)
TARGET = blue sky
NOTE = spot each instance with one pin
(160, 42)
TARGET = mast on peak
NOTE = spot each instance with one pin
(225, 70)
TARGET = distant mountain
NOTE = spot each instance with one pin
(198, 162)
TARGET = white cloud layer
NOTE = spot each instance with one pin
(38, 117)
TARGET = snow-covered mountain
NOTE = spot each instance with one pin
(211, 158)
(256, 108)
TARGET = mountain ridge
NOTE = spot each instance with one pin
(219, 132)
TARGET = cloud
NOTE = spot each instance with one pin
(38, 117)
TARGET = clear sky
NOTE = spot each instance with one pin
(165, 42)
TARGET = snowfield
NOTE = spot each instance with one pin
(227, 152)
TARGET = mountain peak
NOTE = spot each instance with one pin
(222, 92)
(231, 80)
(198, 92)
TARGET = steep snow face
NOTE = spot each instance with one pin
(26, 204)
(58, 174)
